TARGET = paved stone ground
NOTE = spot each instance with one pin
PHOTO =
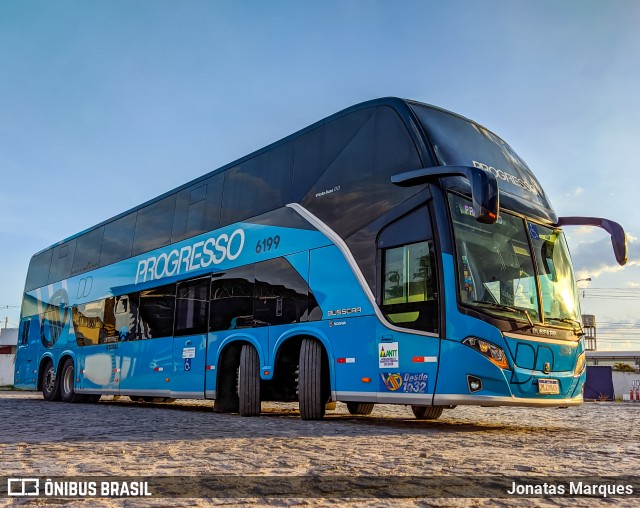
(119, 437)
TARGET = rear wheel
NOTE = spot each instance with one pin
(68, 383)
(50, 384)
(427, 412)
(360, 408)
(311, 393)
(249, 382)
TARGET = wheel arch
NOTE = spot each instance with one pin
(46, 357)
(294, 338)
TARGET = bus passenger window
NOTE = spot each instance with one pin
(281, 293)
(118, 239)
(120, 316)
(87, 255)
(192, 307)
(232, 299)
(88, 319)
(409, 290)
(155, 312)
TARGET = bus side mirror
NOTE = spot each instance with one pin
(618, 238)
(484, 186)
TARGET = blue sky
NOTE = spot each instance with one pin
(106, 104)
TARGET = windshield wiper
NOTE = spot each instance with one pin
(509, 308)
(579, 331)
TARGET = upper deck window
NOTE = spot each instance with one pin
(460, 142)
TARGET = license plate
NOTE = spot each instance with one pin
(548, 386)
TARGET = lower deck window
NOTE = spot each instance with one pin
(409, 290)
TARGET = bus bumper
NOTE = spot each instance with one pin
(491, 400)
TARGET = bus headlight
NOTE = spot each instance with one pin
(494, 353)
(580, 364)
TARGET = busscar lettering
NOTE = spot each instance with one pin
(344, 312)
(191, 257)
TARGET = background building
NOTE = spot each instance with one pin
(8, 342)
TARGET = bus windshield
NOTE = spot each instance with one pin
(496, 271)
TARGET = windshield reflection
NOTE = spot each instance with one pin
(496, 271)
(557, 281)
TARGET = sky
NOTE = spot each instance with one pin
(106, 104)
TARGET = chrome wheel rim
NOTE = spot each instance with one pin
(49, 380)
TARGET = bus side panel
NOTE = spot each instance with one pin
(349, 322)
(189, 358)
(99, 368)
(147, 367)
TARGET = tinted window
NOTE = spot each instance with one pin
(412, 228)
(61, 261)
(343, 169)
(280, 293)
(87, 255)
(458, 141)
(120, 315)
(24, 336)
(198, 208)
(88, 320)
(192, 307)
(232, 299)
(155, 311)
(118, 238)
(153, 226)
(38, 274)
(257, 185)
(409, 290)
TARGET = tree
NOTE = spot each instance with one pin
(623, 367)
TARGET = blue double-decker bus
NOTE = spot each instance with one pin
(391, 253)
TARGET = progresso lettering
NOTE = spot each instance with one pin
(508, 177)
(213, 250)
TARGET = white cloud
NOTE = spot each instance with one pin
(591, 259)
(575, 192)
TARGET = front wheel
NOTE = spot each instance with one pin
(360, 408)
(68, 383)
(50, 384)
(427, 412)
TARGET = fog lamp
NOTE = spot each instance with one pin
(475, 384)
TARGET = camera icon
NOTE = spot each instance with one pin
(23, 487)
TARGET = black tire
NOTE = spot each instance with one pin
(50, 383)
(249, 382)
(67, 383)
(311, 393)
(427, 412)
(360, 408)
